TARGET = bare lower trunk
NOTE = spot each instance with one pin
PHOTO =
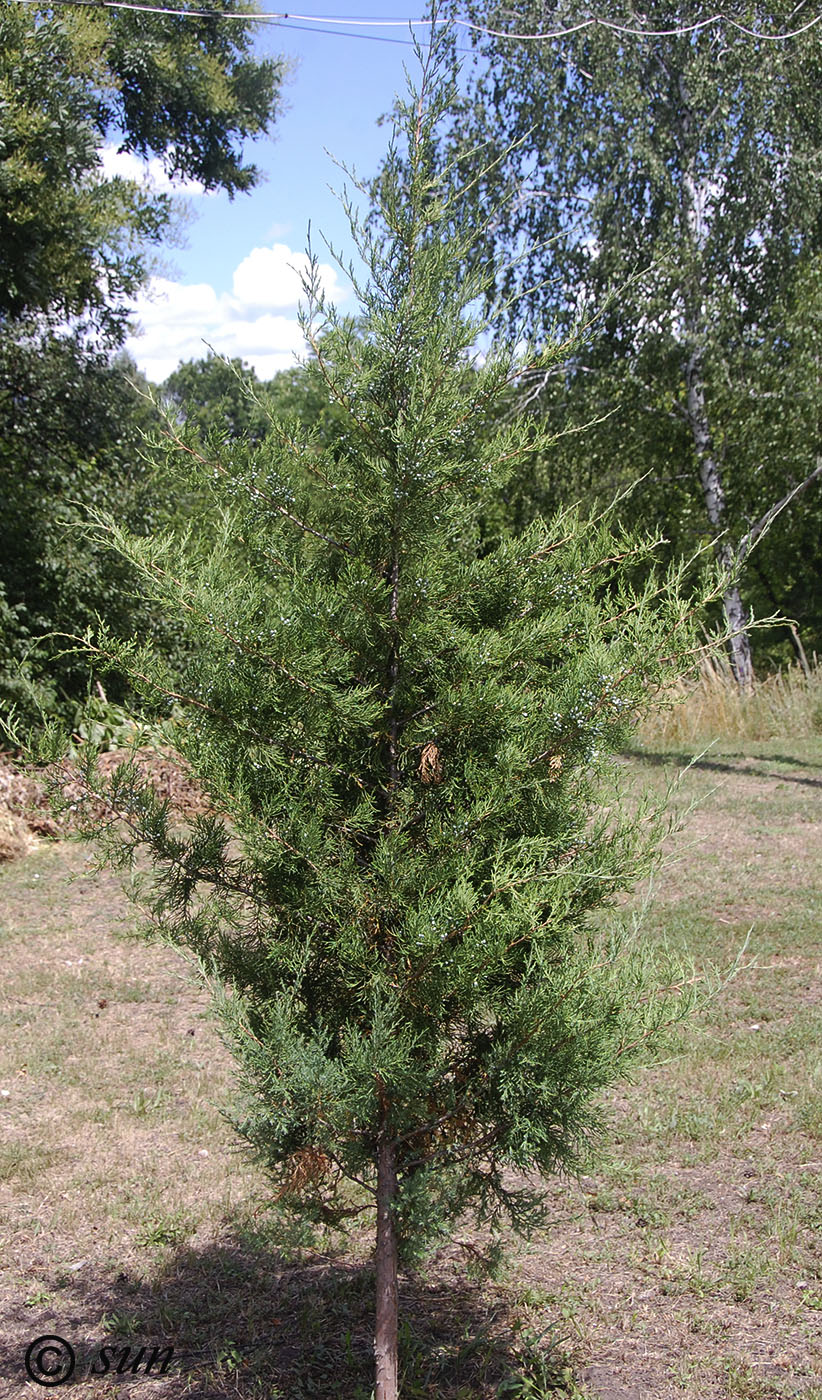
(736, 615)
(385, 1338)
(738, 642)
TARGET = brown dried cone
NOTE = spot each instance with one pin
(430, 764)
(554, 767)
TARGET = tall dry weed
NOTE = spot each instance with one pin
(709, 705)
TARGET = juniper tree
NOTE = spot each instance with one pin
(406, 728)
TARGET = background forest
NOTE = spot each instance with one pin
(660, 211)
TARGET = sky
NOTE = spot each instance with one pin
(234, 284)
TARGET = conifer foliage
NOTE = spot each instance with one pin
(406, 729)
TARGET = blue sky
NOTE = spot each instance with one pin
(232, 282)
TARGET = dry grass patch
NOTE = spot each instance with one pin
(709, 705)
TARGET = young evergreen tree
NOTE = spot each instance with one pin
(407, 730)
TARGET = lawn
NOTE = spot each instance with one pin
(687, 1263)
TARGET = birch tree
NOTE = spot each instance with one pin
(677, 169)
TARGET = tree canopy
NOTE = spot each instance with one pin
(216, 395)
(72, 436)
(188, 91)
(219, 397)
(672, 187)
(75, 245)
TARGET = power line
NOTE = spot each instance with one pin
(640, 32)
(287, 20)
(347, 34)
(718, 18)
(281, 19)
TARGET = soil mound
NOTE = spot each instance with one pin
(26, 811)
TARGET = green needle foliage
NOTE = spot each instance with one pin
(407, 731)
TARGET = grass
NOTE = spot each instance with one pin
(709, 705)
(686, 1263)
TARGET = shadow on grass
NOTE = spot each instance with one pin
(248, 1322)
(683, 758)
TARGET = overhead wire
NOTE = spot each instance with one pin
(288, 20)
(641, 31)
(281, 20)
(349, 34)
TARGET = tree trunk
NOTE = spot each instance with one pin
(697, 202)
(793, 631)
(736, 615)
(385, 1338)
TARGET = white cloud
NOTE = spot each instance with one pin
(273, 277)
(147, 172)
(256, 321)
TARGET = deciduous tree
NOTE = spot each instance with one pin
(74, 247)
(187, 91)
(217, 395)
(72, 436)
(671, 162)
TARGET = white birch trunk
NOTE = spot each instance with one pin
(710, 477)
(697, 209)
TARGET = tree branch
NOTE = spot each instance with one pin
(263, 495)
(748, 541)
